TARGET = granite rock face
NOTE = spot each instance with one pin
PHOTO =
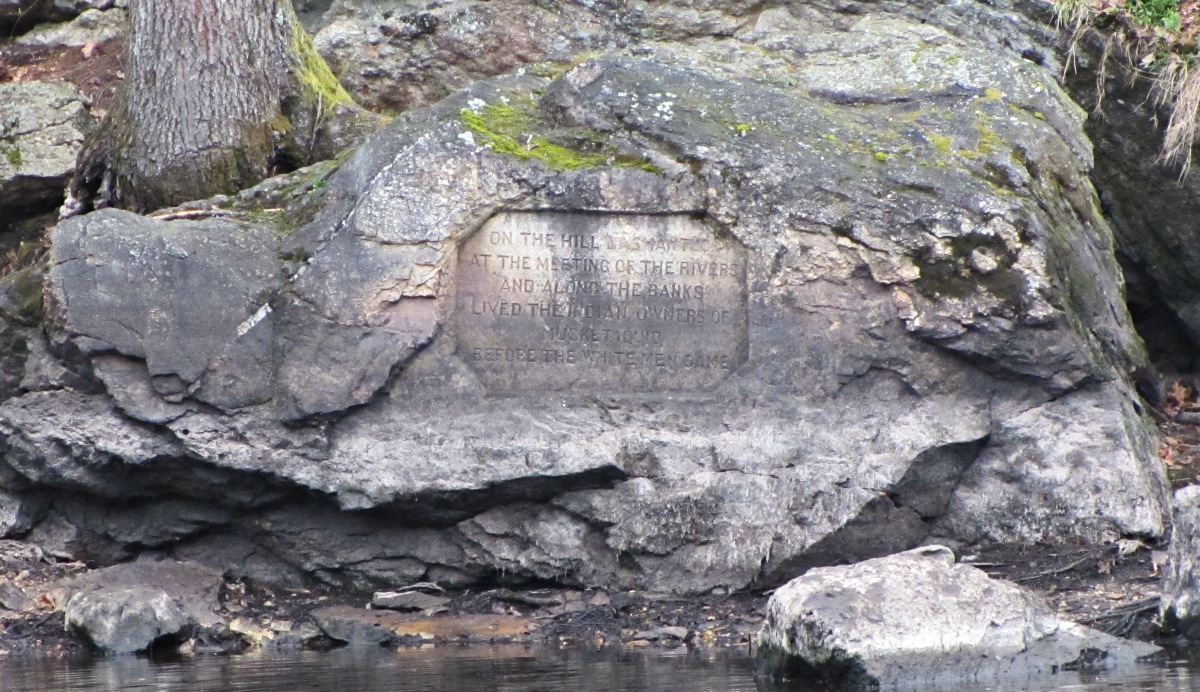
(916, 620)
(681, 318)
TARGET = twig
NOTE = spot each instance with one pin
(1052, 572)
(1135, 608)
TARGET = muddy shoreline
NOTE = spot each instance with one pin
(1113, 588)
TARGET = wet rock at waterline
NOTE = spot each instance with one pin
(640, 326)
(1180, 604)
(128, 608)
(917, 619)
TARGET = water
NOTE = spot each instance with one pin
(483, 669)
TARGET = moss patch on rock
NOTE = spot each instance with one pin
(517, 129)
(313, 73)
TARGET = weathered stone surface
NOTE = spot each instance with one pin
(93, 25)
(407, 600)
(12, 597)
(917, 619)
(922, 292)
(125, 620)
(1180, 603)
(1062, 469)
(356, 626)
(127, 608)
(42, 126)
(201, 321)
(15, 515)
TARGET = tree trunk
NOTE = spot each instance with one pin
(217, 95)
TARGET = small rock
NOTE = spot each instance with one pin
(537, 599)
(663, 633)
(13, 598)
(407, 600)
(93, 26)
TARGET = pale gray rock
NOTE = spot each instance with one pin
(127, 608)
(16, 515)
(1038, 478)
(928, 295)
(93, 25)
(12, 597)
(407, 600)
(916, 619)
(1179, 606)
(125, 620)
(202, 326)
(42, 127)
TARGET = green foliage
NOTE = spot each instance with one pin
(512, 129)
(1164, 13)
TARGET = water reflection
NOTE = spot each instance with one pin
(502, 669)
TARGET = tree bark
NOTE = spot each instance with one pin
(218, 94)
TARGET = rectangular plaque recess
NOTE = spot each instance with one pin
(556, 301)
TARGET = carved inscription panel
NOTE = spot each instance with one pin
(553, 301)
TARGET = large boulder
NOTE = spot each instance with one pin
(916, 620)
(684, 318)
(128, 608)
(42, 126)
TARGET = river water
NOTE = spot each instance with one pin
(484, 669)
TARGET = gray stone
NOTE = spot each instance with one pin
(91, 26)
(125, 620)
(1179, 606)
(911, 290)
(42, 127)
(12, 597)
(1151, 206)
(916, 620)
(1059, 470)
(194, 587)
(16, 514)
(127, 608)
(407, 600)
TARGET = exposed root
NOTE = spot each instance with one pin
(1178, 84)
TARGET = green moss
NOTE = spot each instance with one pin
(512, 129)
(553, 69)
(13, 154)
(943, 143)
(314, 75)
(882, 156)
(993, 94)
